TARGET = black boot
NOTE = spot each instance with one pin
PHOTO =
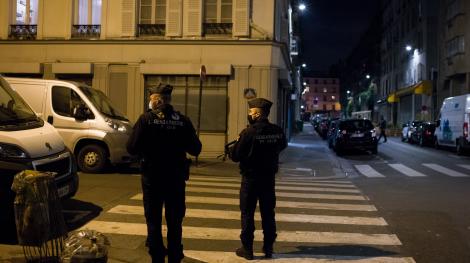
(268, 251)
(244, 253)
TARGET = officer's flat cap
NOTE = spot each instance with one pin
(163, 89)
(260, 103)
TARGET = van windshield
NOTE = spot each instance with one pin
(13, 110)
(102, 103)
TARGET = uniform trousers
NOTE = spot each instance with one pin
(258, 187)
(171, 193)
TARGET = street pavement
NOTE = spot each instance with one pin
(326, 207)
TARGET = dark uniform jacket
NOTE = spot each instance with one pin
(162, 137)
(258, 148)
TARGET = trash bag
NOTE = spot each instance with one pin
(85, 246)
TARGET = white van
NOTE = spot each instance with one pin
(27, 142)
(90, 125)
(452, 126)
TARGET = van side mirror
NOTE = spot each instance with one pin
(81, 112)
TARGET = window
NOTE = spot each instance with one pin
(324, 98)
(87, 12)
(455, 46)
(185, 98)
(324, 106)
(333, 97)
(64, 100)
(152, 11)
(26, 12)
(325, 90)
(316, 81)
(453, 9)
(218, 11)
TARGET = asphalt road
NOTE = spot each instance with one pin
(406, 204)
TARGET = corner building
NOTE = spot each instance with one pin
(123, 47)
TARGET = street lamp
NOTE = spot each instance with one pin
(367, 76)
(348, 92)
(302, 7)
(304, 65)
(408, 48)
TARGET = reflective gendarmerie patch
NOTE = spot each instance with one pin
(268, 138)
(168, 122)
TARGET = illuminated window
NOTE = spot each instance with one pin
(27, 12)
(152, 12)
(218, 11)
(325, 90)
(87, 12)
(333, 97)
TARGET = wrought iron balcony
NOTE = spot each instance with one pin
(23, 32)
(151, 29)
(218, 28)
(86, 31)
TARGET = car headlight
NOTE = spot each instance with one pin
(373, 133)
(116, 125)
(12, 151)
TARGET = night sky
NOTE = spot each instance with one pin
(331, 28)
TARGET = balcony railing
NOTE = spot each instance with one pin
(151, 29)
(23, 32)
(218, 28)
(86, 31)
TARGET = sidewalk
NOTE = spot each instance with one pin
(307, 152)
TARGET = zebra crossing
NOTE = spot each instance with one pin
(420, 170)
(311, 213)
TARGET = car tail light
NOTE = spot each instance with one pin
(428, 132)
(465, 129)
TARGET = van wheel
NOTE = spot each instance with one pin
(92, 158)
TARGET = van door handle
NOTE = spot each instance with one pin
(50, 119)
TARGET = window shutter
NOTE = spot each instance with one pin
(128, 18)
(192, 17)
(173, 18)
(241, 15)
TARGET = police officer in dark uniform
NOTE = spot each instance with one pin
(257, 150)
(162, 137)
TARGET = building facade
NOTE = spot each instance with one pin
(409, 60)
(123, 47)
(454, 51)
(321, 95)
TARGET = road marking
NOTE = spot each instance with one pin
(209, 233)
(223, 257)
(284, 204)
(280, 187)
(406, 170)
(297, 169)
(339, 184)
(278, 194)
(368, 171)
(444, 170)
(466, 166)
(280, 217)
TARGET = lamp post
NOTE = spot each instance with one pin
(302, 7)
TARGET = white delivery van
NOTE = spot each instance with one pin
(90, 125)
(452, 126)
(27, 142)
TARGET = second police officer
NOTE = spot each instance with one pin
(162, 137)
(257, 149)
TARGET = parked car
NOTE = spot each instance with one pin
(452, 126)
(28, 142)
(89, 123)
(423, 134)
(355, 134)
(407, 129)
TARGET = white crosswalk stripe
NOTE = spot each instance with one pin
(343, 203)
(445, 170)
(466, 166)
(368, 171)
(406, 170)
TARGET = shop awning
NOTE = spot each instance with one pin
(422, 87)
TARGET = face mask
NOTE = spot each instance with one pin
(250, 119)
(150, 105)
